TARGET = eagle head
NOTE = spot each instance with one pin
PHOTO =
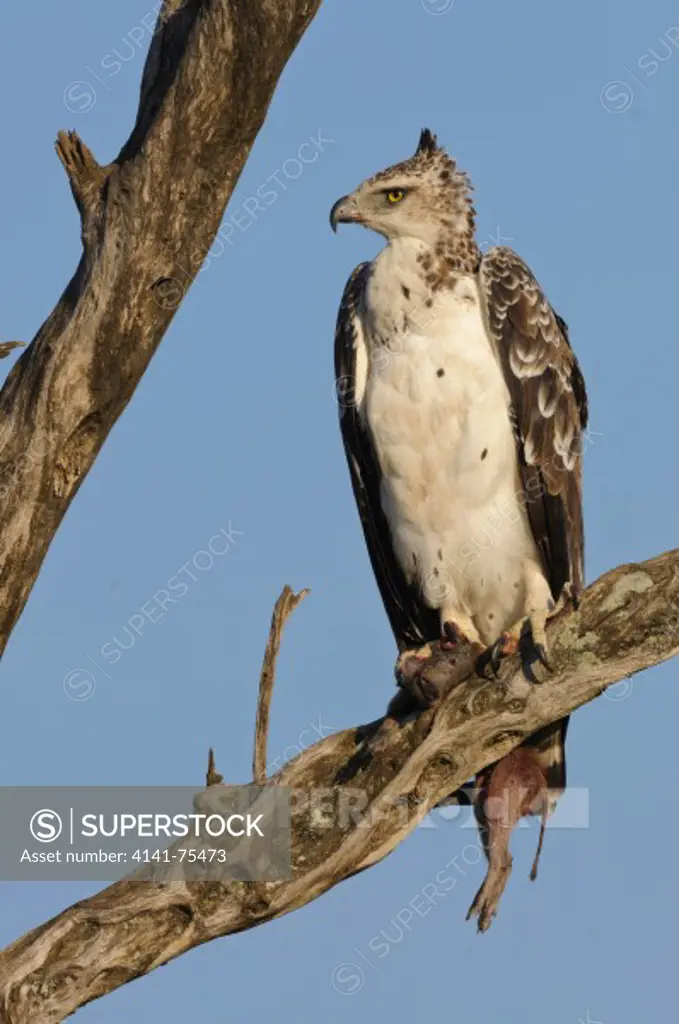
(418, 198)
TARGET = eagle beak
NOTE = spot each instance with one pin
(345, 211)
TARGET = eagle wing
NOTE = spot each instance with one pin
(549, 410)
(412, 622)
(549, 413)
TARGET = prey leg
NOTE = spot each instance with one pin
(508, 790)
(487, 899)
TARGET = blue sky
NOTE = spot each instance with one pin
(564, 116)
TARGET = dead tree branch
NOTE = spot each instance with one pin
(212, 776)
(8, 346)
(285, 606)
(148, 220)
(627, 622)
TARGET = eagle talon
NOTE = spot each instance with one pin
(505, 645)
(489, 657)
(452, 636)
(541, 652)
(533, 643)
(496, 658)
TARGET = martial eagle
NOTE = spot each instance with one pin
(462, 409)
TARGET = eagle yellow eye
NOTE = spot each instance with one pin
(395, 195)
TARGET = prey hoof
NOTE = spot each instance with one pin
(485, 905)
(487, 899)
(485, 913)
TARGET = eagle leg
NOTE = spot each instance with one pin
(533, 630)
(514, 787)
(528, 637)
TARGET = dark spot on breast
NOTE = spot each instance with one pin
(515, 585)
(445, 175)
(436, 571)
(440, 553)
(439, 373)
(414, 559)
(406, 291)
(491, 616)
(483, 454)
(428, 303)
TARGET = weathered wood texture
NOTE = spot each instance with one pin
(628, 621)
(285, 606)
(148, 221)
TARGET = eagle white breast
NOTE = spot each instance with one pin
(433, 397)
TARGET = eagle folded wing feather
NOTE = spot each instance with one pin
(549, 409)
(412, 622)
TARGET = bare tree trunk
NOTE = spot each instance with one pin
(148, 221)
(628, 621)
